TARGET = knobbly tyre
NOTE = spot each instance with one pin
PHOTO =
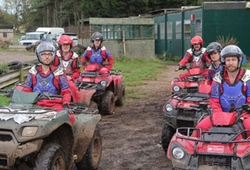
(224, 146)
(181, 110)
(33, 137)
(189, 84)
(110, 91)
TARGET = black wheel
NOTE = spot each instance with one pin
(15, 65)
(51, 157)
(92, 158)
(108, 103)
(120, 101)
(166, 136)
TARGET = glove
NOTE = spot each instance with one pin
(66, 107)
(177, 68)
(206, 65)
(180, 68)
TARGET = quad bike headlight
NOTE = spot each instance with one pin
(103, 83)
(176, 88)
(169, 107)
(29, 131)
(178, 153)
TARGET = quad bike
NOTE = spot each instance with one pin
(34, 137)
(179, 111)
(189, 84)
(109, 90)
(224, 146)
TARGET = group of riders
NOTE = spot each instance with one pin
(230, 83)
(58, 70)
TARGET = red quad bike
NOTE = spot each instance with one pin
(189, 84)
(109, 89)
(224, 146)
(179, 112)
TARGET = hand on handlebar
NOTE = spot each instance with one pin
(180, 68)
(66, 107)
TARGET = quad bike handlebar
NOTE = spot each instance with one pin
(181, 68)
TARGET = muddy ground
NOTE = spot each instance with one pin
(132, 136)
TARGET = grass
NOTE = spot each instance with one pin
(137, 71)
(4, 100)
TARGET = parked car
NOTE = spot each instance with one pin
(21, 38)
(32, 38)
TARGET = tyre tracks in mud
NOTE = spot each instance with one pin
(132, 136)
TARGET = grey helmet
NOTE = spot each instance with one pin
(212, 47)
(96, 36)
(232, 50)
(45, 46)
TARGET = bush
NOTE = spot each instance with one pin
(3, 68)
(228, 40)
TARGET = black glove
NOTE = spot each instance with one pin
(180, 68)
(66, 107)
(206, 65)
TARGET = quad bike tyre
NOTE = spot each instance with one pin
(166, 136)
(120, 101)
(92, 158)
(51, 157)
(108, 103)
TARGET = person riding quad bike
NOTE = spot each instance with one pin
(213, 51)
(97, 53)
(46, 78)
(68, 61)
(97, 63)
(196, 71)
(230, 88)
(196, 56)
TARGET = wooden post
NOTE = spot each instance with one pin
(21, 74)
(124, 43)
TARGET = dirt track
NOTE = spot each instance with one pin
(132, 136)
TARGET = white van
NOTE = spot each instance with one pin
(51, 30)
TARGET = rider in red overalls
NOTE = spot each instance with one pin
(195, 56)
(97, 54)
(230, 88)
(46, 78)
(67, 60)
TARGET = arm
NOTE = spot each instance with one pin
(28, 84)
(76, 69)
(185, 59)
(85, 57)
(206, 58)
(110, 60)
(65, 90)
(56, 61)
(214, 99)
(248, 91)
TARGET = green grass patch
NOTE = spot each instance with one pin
(135, 72)
(4, 100)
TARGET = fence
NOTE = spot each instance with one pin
(14, 76)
